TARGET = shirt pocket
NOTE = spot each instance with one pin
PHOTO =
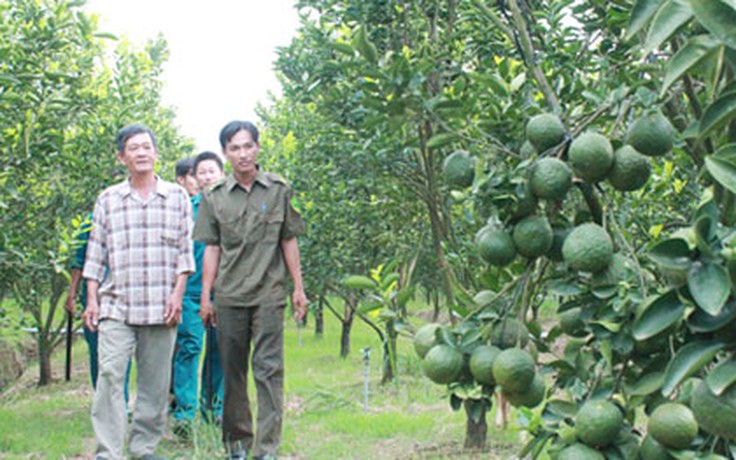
(270, 228)
(231, 233)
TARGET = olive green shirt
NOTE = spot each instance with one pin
(248, 227)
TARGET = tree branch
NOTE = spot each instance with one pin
(529, 57)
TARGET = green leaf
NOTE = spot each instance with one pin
(701, 322)
(687, 361)
(641, 13)
(723, 171)
(670, 17)
(106, 36)
(364, 46)
(646, 385)
(359, 282)
(718, 114)
(726, 152)
(343, 48)
(722, 377)
(705, 230)
(671, 253)
(719, 17)
(658, 315)
(693, 53)
(368, 307)
(441, 140)
(709, 285)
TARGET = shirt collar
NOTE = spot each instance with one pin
(261, 178)
(159, 189)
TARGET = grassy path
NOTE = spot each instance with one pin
(324, 418)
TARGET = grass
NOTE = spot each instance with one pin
(324, 410)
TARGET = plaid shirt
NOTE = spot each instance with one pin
(145, 244)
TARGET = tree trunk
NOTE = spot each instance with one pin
(44, 362)
(389, 355)
(347, 325)
(475, 432)
(319, 317)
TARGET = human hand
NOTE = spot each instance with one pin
(172, 313)
(91, 316)
(69, 304)
(300, 302)
(207, 313)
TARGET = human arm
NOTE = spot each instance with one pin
(71, 296)
(91, 314)
(290, 249)
(210, 262)
(172, 313)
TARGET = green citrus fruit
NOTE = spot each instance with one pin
(579, 451)
(598, 422)
(558, 239)
(513, 369)
(425, 338)
(550, 179)
(528, 397)
(533, 236)
(617, 271)
(652, 135)
(459, 169)
(527, 150)
(443, 364)
(673, 425)
(652, 450)
(509, 333)
(571, 324)
(630, 171)
(715, 414)
(481, 363)
(545, 131)
(525, 202)
(588, 248)
(495, 246)
(591, 156)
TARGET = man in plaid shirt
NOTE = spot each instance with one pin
(141, 234)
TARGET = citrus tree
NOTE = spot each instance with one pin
(571, 155)
(645, 297)
(61, 104)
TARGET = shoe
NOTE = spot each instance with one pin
(183, 430)
(264, 457)
(236, 451)
(152, 457)
(241, 454)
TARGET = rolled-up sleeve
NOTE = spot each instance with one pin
(293, 223)
(96, 260)
(185, 261)
(206, 229)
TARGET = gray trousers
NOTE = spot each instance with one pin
(237, 329)
(153, 347)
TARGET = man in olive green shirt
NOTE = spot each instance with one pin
(250, 229)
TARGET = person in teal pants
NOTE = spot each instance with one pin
(191, 338)
(77, 264)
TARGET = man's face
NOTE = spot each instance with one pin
(208, 172)
(242, 152)
(189, 182)
(139, 154)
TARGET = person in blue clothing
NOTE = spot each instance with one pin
(77, 264)
(190, 338)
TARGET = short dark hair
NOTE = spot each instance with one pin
(130, 131)
(184, 167)
(207, 155)
(234, 127)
